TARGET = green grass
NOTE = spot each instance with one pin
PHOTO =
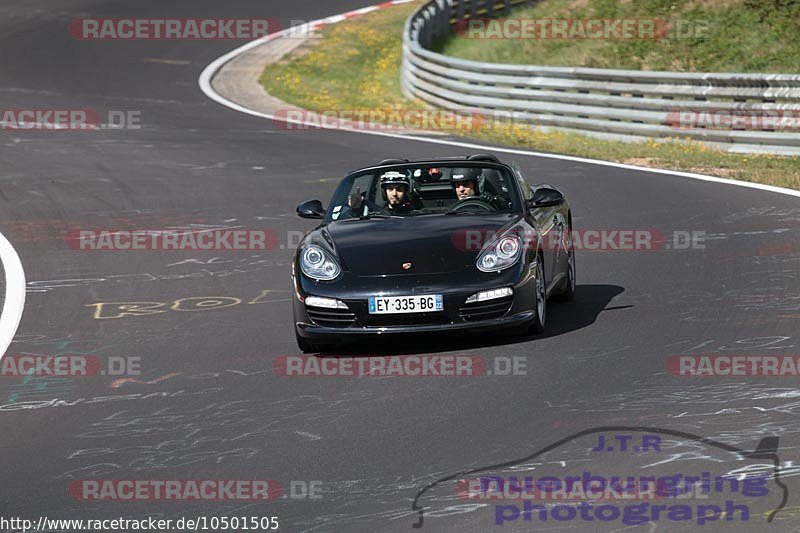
(715, 36)
(355, 66)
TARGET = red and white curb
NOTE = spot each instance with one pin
(356, 13)
(208, 74)
(333, 19)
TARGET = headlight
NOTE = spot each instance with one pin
(318, 264)
(502, 255)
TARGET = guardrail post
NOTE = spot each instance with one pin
(444, 18)
(473, 9)
(506, 6)
(489, 8)
(459, 11)
(427, 29)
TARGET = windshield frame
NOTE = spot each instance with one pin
(508, 173)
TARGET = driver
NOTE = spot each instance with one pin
(467, 183)
(396, 191)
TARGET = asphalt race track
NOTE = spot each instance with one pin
(208, 403)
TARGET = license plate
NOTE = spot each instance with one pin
(382, 305)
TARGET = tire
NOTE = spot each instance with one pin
(567, 291)
(567, 294)
(540, 305)
(309, 346)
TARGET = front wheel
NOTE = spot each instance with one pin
(540, 305)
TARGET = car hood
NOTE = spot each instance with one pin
(433, 244)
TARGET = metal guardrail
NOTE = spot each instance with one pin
(611, 103)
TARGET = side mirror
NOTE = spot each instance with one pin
(546, 197)
(311, 209)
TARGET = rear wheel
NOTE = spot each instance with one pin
(568, 293)
(540, 305)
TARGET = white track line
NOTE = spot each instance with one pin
(14, 302)
(208, 74)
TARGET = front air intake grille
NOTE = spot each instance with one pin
(486, 310)
(331, 318)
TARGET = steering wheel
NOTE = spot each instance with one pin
(481, 205)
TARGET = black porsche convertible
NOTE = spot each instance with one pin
(442, 245)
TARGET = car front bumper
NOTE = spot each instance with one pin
(457, 316)
(315, 331)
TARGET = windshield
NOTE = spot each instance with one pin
(458, 188)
